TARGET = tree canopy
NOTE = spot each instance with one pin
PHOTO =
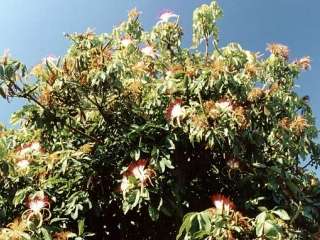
(130, 135)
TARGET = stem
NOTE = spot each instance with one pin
(215, 44)
(32, 98)
(207, 48)
(308, 163)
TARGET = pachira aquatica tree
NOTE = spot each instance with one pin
(131, 136)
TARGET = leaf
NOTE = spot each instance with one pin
(45, 234)
(81, 226)
(20, 195)
(259, 229)
(186, 224)
(153, 213)
(271, 229)
(266, 111)
(282, 214)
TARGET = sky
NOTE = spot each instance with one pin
(34, 29)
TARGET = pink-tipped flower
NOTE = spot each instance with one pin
(5, 56)
(124, 186)
(233, 163)
(29, 148)
(167, 15)
(50, 59)
(148, 51)
(278, 50)
(304, 63)
(138, 169)
(224, 105)
(175, 110)
(37, 203)
(22, 164)
(222, 202)
(126, 42)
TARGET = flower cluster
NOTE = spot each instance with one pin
(38, 209)
(255, 94)
(149, 51)
(24, 154)
(278, 50)
(166, 16)
(297, 125)
(175, 111)
(29, 149)
(140, 171)
(222, 203)
(304, 63)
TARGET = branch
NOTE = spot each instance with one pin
(32, 98)
(308, 163)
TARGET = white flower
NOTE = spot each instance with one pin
(169, 73)
(23, 164)
(218, 204)
(167, 15)
(37, 205)
(148, 51)
(124, 184)
(34, 147)
(50, 59)
(224, 105)
(177, 111)
(233, 163)
(139, 172)
(126, 42)
(222, 203)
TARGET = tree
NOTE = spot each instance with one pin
(131, 136)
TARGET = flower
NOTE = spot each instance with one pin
(284, 123)
(299, 124)
(50, 59)
(175, 110)
(29, 148)
(134, 14)
(240, 114)
(200, 121)
(138, 169)
(304, 63)
(166, 16)
(126, 42)
(17, 225)
(255, 94)
(278, 50)
(222, 202)
(37, 203)
(233, 163)
(224, 105)
(211, 109)
(124, 186)
(64, 235)
(250, 69)
(218, 67)
(148, 51)
(24, 163)
(5, 56)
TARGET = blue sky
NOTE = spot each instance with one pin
(34, 29)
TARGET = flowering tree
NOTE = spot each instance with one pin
(131, 136)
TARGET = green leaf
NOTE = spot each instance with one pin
(45, 234)
(153, 213)
(271, 229)
(282, 214)
(81, 226)
(21, 195)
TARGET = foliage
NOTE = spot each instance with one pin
(129, 134)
